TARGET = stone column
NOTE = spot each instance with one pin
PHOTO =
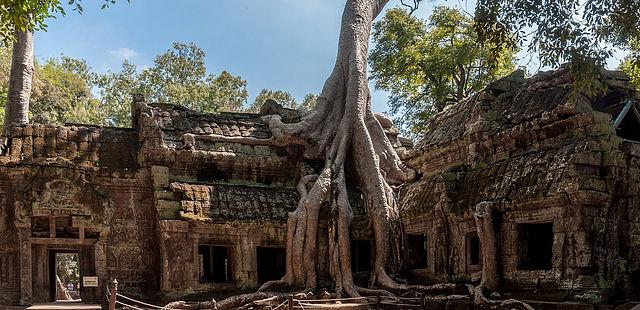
(487, 235)
(25, 265)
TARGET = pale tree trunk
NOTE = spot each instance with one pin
(489, 283)
(487, 236)
(17, 107)
(342, 131)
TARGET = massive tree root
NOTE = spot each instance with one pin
(343, 132)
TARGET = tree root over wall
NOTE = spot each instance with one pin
(343, 132)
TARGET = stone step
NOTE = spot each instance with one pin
(59, 305)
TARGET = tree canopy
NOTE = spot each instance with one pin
(631, 64)
(61, 90)
(177, 76)
(580, 32)
(67, 90)
(180, 76)
(62, 93)
(284, 98)
(31, 15)
(425, 65)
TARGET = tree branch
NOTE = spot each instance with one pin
(412, 8)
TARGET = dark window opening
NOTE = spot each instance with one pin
(215, 265)
(416, 253)
(64, 228)
(40, 227)
(625, 113)
(211, 173)
(628, 126)
(474, 252)
(91, 234)
(360, 255)
(271, 263)
(535, 246)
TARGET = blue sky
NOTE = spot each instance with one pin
(276, 44)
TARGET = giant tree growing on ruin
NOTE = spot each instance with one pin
(342, 131)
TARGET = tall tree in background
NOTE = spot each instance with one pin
(179, 76)
(62, 93)
(61, 90)
(20, 81)
(18, 21)
(114, 91)
(580, 32)
(631, 64)
(308, 102)
(427, 65)
(282, 97)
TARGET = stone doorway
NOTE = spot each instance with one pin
(64, 275)
(46, 266)
(271, 263)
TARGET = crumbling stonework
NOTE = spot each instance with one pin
(562, 182)
(147, 205)
(185, 202)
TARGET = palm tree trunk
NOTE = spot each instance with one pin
(17, 107)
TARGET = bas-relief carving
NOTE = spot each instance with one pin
(63, 197)
(8, 274)
(130, 251)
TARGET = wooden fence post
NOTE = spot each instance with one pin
(423, 301)
(378, 306)
(113, 291)
(290, 302)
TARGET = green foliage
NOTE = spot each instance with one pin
(63, 88)
(115, 91)
(227, 92)
(282, 97)
(61, 92)
(580, 32)
(68, 268)
(179, 76)
(31, 15)
(631, 64)
(425, 65)
(308, 102)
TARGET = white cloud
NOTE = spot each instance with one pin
(124, 53)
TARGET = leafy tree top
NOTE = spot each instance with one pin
(580, 32)
(31, 15)
(425, 65)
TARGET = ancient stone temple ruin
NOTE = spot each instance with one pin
(562, 176)
(184, 202)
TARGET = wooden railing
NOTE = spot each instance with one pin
(371, 302)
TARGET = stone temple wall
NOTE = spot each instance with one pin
(185, 204)
(79, 189)
(144, 205)
(561, 177)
